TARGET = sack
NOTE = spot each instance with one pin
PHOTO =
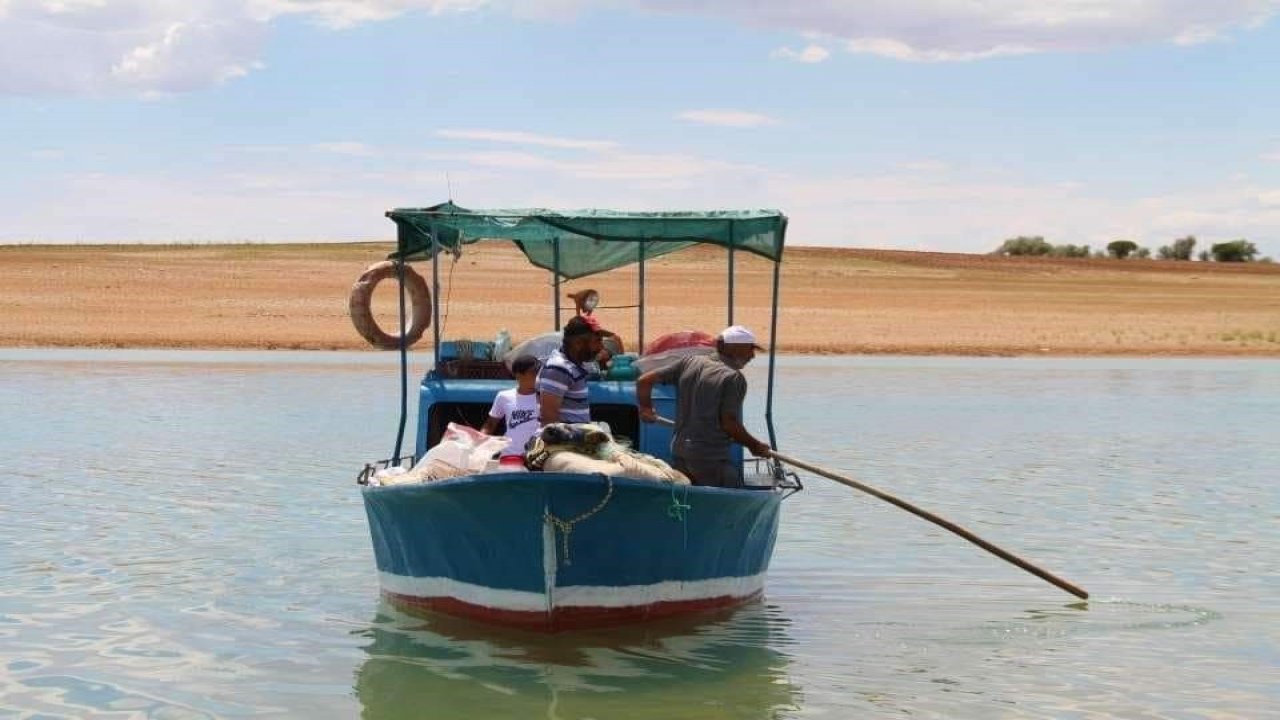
(539, 346)
(462, 451)
(667, 358)
(681, 339)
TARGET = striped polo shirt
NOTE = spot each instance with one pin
(566, 379)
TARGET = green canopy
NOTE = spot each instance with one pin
(584, 242)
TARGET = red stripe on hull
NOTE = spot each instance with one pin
(566, 618)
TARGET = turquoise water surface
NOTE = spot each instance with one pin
(183, 537)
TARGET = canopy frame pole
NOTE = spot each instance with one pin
(555, 279)
(732, 241)
(435, 300)
(640, 306)
(404, 367)
(773, 348)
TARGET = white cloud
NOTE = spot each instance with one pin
(946, 30)
(809, 54)
(1275, 156)
(898, 50)
(124, 46)
(969, 214)
(147, 47)
(515, 137)
(918, 207)
(185, 56)
(727, 118)
(1197, 35)
(925, 166)
(607, 162)
(348, 13)
(508, 160)
(232, 207)
(1213, 214)
(309, 202)
(1269, 198)
(664, 168)
(355, 149)
(101, 47)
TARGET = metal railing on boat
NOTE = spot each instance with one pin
(757, 473)
(370, 469)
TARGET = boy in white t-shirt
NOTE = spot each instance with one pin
(518, 406)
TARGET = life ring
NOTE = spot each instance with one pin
(360, 305)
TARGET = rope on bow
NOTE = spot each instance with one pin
(565, 527)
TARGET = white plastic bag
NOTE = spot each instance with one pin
(388, 476)
(466, 448)
(501, 345)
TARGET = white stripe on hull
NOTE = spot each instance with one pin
(573, 595)
(432, 587)
(669, 591)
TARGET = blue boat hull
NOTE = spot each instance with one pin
(553, 551)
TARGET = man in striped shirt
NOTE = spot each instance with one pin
(562, 381)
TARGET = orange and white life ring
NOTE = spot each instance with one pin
(360, 305)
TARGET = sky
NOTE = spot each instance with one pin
(945, 125)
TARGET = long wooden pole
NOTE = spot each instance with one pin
(940, 522)
(921, 512)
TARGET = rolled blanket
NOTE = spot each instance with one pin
(584, 438)
(587, 436)
(624, 465)
(588, 448)
(647, 467)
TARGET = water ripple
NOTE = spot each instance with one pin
(186, 541)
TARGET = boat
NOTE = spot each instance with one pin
(556, 551)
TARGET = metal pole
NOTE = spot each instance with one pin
(404, 367)
(555, 279)
(435, 299)
(773, 349)
(640, 310)
(732, 227)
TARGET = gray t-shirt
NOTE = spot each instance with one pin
(705, 388)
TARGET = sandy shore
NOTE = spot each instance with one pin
(834, 300)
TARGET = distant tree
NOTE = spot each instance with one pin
(1234, 251)
(1204, 256)
(1100, 254)
(1181, 249)
(1069, 250)
(1143, 253)
(1266, 260)
(1121, 249)
(1025, 245)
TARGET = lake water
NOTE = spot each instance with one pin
(183, 537)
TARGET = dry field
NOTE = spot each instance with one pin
(833, 300)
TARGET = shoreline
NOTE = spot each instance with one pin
(835, 301)
(424, 347)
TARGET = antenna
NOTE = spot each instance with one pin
(448, 185)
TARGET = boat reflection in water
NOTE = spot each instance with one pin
(730, 665)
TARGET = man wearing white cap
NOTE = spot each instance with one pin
(709, 394)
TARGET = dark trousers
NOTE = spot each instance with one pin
(716, 473)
